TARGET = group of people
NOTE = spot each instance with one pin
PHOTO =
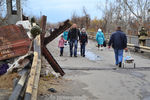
(118, 41)
(73, 36)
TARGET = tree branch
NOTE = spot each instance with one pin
(125, 1)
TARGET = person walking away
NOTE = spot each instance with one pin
(118, 40)
(83, 41)
(100, 39)
(61, 45)
(73, 36)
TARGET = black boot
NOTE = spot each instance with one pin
(120, 64)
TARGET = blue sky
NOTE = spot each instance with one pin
(60, 10)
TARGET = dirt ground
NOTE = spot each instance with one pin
(6, 85)
(48, 82)
(6, 81)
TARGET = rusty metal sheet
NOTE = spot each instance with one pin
(13, 41)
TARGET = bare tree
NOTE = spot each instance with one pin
(138, 8)
(108, 10)
(81, 21)
(86, 18)
(129, 14)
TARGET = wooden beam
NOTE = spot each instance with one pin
(32, 85)
(52, 61)
(31, 79)
(67, 24)
(36, 82)
(37, 44)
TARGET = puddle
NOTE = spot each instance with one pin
(91, 56)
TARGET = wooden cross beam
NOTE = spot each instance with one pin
(57, 32)
(45, 41)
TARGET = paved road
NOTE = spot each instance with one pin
(96, 77)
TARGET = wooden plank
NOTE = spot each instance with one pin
(37, 48)
(36, 82)
(32, 86)
(31, 79)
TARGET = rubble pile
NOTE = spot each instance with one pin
(14, 48)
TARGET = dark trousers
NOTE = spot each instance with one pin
(142, 42)
(83, 49)
(100, 45)
(73, 43)
(61, 51)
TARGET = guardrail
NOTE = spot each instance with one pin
(131, 39)
(139, 48)
(134, 46)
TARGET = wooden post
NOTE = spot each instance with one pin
(43, 26)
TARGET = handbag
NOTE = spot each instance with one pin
(104, 43)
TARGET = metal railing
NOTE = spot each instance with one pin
(131, 39)
(133, 42)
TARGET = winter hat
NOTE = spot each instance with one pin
(83, 30)
(99, 30)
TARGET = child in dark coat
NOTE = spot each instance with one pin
(83, 41)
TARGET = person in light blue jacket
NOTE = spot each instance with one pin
(65, 34)
(100, 38)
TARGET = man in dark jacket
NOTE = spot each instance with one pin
(73, 36)
(83, 41)
(118, 40)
